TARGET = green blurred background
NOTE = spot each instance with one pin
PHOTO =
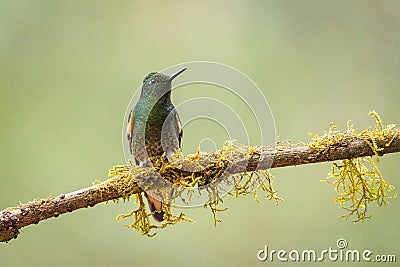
(69, 68)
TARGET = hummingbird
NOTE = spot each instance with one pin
(154, 128)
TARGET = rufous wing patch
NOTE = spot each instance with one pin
(179, 130)
(129, 130)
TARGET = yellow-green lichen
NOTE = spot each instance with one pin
(246, 183)
(358, 182)
(203, 170)
(122, 180)
(141, 218)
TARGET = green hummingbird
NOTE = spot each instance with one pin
(154, 127)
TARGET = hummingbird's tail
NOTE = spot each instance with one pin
(156, 208)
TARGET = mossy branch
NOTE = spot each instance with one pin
(331, 146)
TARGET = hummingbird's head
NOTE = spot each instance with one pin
(156, 84)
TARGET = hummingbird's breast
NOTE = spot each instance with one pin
(155, 131)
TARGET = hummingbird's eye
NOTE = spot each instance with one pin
(152, 81)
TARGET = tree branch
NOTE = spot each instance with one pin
(346, 147)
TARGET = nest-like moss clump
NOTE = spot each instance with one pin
(193, 172)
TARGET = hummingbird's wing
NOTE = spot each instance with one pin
(178, 127)
(129, 130)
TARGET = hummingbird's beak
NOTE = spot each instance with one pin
(176, 74)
